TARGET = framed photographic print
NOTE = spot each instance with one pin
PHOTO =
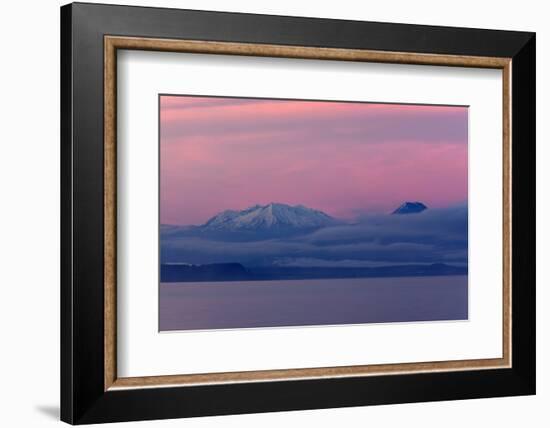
(265, 213)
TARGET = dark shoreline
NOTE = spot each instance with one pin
(225, 272)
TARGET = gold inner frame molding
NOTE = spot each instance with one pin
(113, 43)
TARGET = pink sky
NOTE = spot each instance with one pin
(345, 159)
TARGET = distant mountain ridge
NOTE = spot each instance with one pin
(270, 217)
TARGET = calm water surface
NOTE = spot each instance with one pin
(219, 305)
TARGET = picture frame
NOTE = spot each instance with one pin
(91, 36)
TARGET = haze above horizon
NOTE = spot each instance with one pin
(344, 159)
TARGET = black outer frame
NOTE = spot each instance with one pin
(83, 399)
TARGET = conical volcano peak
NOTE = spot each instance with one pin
(410, 208)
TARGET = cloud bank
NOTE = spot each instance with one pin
(433, 236)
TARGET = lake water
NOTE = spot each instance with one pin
(220, 305)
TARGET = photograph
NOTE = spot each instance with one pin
(292, 212)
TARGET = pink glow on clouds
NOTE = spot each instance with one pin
(343, 158)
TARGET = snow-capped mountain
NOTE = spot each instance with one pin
(410, 208)
(271, 217)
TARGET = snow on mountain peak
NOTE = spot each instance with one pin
(272, 216)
